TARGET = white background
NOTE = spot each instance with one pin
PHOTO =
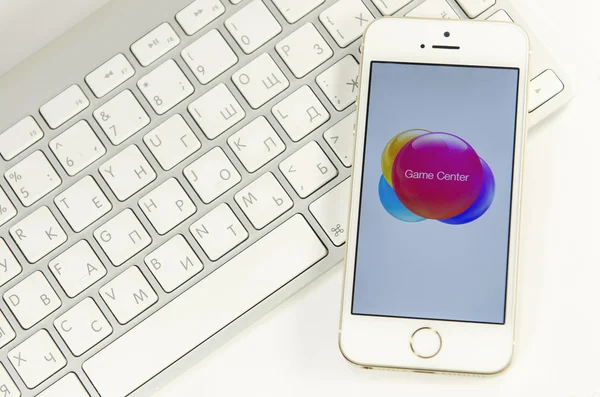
(293, 351)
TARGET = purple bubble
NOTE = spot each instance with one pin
(483, 201)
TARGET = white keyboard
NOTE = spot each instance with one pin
(169, 172)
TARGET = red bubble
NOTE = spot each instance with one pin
(437, 176)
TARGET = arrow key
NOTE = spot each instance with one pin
(109, 75)
(543, 88)
(308, 169)
(199, 14)
(155, 44)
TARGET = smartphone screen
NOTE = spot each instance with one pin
(435, 200)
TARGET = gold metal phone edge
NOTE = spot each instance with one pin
(518, 254)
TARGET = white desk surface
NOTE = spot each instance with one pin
(293, 351)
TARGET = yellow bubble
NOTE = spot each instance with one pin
(393, 147)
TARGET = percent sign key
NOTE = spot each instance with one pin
(14, 177)
(33, 178)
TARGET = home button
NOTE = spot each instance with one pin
(426, 342)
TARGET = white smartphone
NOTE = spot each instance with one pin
(432, 252)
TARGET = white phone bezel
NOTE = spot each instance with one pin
(473, 348)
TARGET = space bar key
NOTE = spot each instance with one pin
(205, 308)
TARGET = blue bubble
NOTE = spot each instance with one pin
(392, 204)
(481, 203)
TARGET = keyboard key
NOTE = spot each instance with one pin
(346, 20)
(263, 201)
(155, 44)
(109, 75)
(433, 9)
(260, 80)
(83, 327)
(32, 300)
(128, 295)
(77, 147)
(9, 265)
(174, 263)
(308, 169)
(165, 87)
(121, 117)
(19, 137)
(77, 268)
(332, 210)
(256, 144)
(389, 7)
(300, 113)
(501, 16)
(199, 14)
(543, 88)
(253, 26)
(7, 385)
(7, 334)
(38, 234)
(256, 273)
(474, 8)
(37, 359)
(209, 56)
(122, 237)
(64, 106)
(218, 232)
(69, 386)
(83, 203)
(341, 139)
(304, 50)
(32, 178)
(172, 142)
(294, 10)
(167, 206)
(212, 175)
(340, 82)
(7, 209)
(216, 111)
(127, 173)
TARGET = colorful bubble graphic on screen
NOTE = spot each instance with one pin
(434, 175)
